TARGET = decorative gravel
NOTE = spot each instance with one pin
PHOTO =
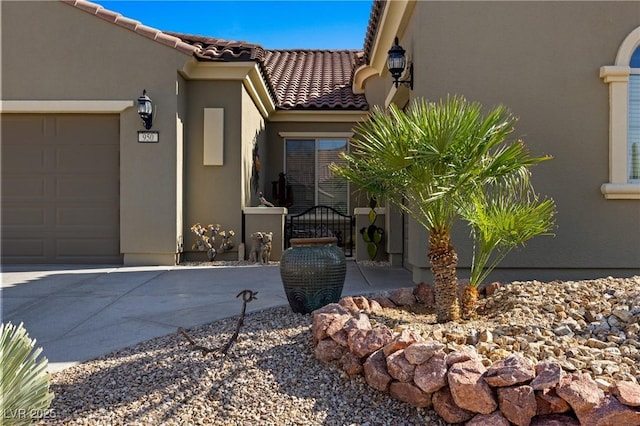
(271, 377)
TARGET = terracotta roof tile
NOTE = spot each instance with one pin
(314, 79)
(215, 49)
(131, 24)
(372, 28)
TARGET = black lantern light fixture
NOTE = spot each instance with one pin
(396, 62)
(145, 110)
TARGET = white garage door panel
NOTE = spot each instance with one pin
(60, 188)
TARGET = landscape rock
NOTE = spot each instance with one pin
(580, 392)
(518, 404)
(609, 412)
(548, 402)
(548, 375)
(402, 297)
(403, 340)
(627, 393)
(410, 394)
(445, 406)
(375, 371)
(349, 304)
(424, 294)
(420, 352)
(512, 370)
(351, 364)
(432, 374)
(494, 419)
(554, 420)
(468, 387)
(365, 342)
(399, 368)
(384, 302)
(328, 350)
(362, 303)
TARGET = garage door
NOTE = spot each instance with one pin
(60, 188)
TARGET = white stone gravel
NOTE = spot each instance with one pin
(271, 377)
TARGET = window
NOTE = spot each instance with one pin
(624, 120)
(307, 163)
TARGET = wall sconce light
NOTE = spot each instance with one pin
(396, 62)
(145, 110)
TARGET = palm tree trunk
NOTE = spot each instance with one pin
(444, 260)
(469, 301)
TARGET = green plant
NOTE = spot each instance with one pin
(24, 381)
(372, 234)
(429, 161)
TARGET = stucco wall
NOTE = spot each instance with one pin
(542, 60)
(52, 51)
(213, 193)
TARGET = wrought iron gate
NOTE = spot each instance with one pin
(322, 221)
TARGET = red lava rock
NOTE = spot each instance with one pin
(468, 387)
(518, 404)
(445, 406)
(410, 394)
(510, 371)
(375, 371)
(432, 374)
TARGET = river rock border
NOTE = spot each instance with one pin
(457, 385)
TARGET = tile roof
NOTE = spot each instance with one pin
(372, 28)
(133, 25)
(297, 79)
(314, 79)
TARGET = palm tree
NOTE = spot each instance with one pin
(429, 161)
(501, 218)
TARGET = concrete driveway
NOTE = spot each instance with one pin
(79, 313)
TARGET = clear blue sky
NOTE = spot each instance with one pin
(284, 24)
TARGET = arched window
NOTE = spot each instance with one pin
(624, 120)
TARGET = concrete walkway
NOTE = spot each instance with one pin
(79, 313)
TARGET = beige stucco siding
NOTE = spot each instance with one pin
(213, 193)
(51, 51)
(541, 59)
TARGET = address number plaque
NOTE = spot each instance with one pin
(145, 136)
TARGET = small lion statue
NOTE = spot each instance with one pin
(261, 247)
